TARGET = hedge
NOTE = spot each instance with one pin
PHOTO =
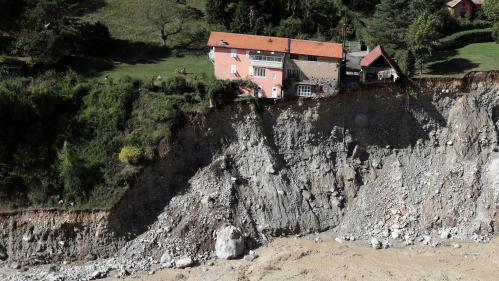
(463, 38)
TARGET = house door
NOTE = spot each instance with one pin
(274, 92)
(260, 91)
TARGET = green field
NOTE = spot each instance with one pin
(456, 63)
(138, 51)
(196, 66)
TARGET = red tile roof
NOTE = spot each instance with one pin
(250, 42)
(316, 48)
(374, 55)
(276, 44)
(453, 3)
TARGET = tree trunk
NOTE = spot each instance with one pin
(164, 36)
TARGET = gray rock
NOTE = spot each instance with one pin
(251, 256)
(339, 240)
(179, 276)
(230, 242)
(184, 262)
(445, 234)
(166, 260)
(375, 243)
(15, 265)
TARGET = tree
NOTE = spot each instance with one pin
(169, 17)
(216, 12)
(491, 9)
(422, 36)
(10, 12)
(389, 24)
(49, 30)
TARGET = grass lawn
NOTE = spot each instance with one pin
(138, 50)
(126, 21)
(456, 63)
(196, 66)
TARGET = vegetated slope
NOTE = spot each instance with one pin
(384, 162)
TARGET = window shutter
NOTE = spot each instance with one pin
(250, 71)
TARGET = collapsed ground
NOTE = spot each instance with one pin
(402, 164)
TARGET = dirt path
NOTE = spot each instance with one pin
(301, 259)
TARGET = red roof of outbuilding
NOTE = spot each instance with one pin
(250, 42)
(316, 48)
(276, 44)
(374, 55)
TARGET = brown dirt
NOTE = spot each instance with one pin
(301, 259)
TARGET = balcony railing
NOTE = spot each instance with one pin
(267, 61)
(211, 55)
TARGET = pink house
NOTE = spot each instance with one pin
(277, 65)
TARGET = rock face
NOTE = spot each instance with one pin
(300, 167)
(3, 253)
(230, 243)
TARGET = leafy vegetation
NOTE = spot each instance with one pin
(463, 38)
(67, 142)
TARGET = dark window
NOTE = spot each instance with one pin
(294, 57)
(312, 58)
(293, 73)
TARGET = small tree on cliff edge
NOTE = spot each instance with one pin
(169, 17)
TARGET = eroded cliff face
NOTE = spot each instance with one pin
(385, 162)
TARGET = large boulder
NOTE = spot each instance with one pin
(230, 242)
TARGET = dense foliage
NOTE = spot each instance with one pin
(463, 38)
(62, 138)
(301, 19)
(49, 30)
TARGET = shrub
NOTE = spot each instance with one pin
(495, 32)
(94, 39)
(130, 154)
(177, 85)
(463, 38)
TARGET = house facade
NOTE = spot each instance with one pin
(378, 67)
(279, 66)
(459, 8)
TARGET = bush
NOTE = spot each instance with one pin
(130, 155)
(177, 85)
(495, 32)
(463, 38)
(94, 40)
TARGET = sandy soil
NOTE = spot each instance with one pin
(301, 259)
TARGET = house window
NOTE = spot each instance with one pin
(304, 90)
(233, 69)
(274, 76)
(292, 73)
(312, 58)
(233, 53)
(259, 72)
(294, 56)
